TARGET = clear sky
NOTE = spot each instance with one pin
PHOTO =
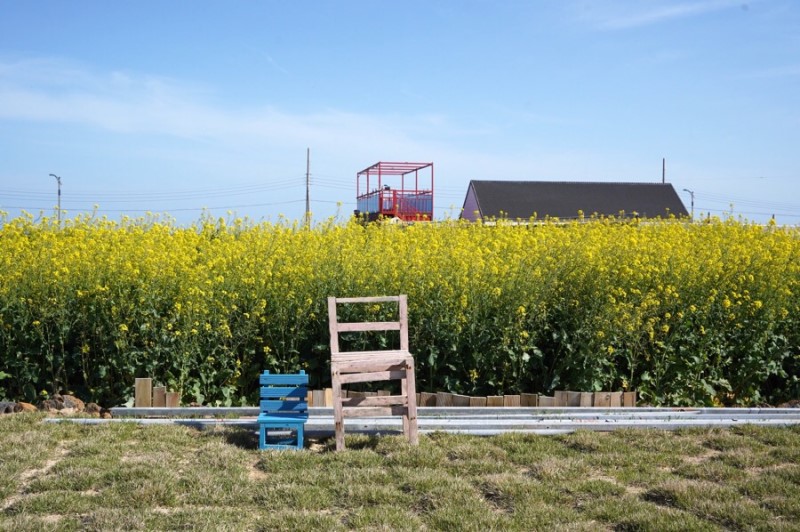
(176, 106)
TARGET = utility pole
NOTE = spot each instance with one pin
(308, 185)
(663, 170)
(691, 195)
(58, 214)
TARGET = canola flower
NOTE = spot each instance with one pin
(686, 314)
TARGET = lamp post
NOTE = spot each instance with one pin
(691, 195)
(59, 198)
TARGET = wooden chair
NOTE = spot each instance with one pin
(371, 366)
(283, 407)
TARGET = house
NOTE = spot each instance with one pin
(565, 200)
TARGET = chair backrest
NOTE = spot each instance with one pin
(337, 328)
(284, 395)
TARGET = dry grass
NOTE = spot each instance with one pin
(126, 476)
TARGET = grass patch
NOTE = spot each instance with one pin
(164, 477)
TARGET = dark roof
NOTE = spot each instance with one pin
(521, 199)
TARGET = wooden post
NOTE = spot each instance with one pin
(328, 397)
(160, 396)
(573, 398)
(615, 399)
(477, 401)
(444, 399)
(143, 393)
(560, 398)
(494, 400)
(545, 400)
(511, 400)
(587, 399)
(173, 399)
(602, 399)
(529, 399)
(460, 400)
(427, 399)
(629, 399)
(317, 398)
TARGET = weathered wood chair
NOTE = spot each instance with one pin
(371, 366)
(283, 407)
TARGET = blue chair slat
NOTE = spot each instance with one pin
(283, 407)
(283, 379)
(269, 406)
(269, 392)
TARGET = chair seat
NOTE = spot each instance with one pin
(394, 353)
(283, 418)
(371, 361)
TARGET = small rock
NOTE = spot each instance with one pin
(105, 413)
(9, 408)
(70, 401)
(92, 408)
(51, 405)
(27, 407)
(794, 403)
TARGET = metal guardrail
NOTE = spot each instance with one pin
(478, 421)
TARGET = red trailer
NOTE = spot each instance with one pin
(395, 190)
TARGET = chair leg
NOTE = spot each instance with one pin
(300, 437)
(404, 393)
(411, 388)
(338, 413)
(262, 436)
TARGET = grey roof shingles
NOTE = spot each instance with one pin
(563, 199)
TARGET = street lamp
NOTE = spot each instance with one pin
(59, 198)
(691, 195)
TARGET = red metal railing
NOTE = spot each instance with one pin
(377, 198)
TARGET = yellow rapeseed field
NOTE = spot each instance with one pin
(703, 313)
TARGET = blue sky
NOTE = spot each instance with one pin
(179, 106)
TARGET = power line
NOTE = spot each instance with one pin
(735, 212)
(179, 209)
(126, 196)
(718, 198)
(194, 189)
